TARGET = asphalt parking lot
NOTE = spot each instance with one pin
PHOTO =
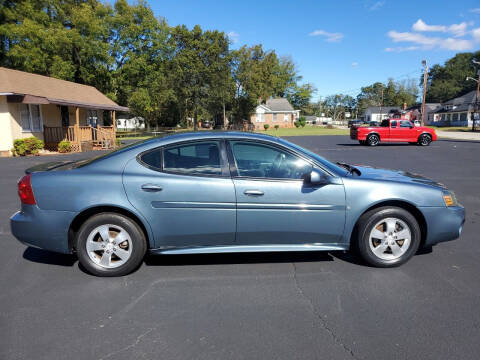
(252, 306)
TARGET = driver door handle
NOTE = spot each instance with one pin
(151, 187)
(253, 192)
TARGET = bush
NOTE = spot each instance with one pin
(27, 146)
(276, 127)
(329, 126)
(64, 146)
(297, 124)
(302, 121)
(266, 126)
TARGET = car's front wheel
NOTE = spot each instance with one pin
(387, 236)
(110, 244)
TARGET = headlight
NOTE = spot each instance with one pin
(449, 198)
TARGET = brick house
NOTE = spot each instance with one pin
(275, 112)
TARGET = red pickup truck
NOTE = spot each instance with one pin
(393, 130)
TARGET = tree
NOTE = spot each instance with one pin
(448, 81)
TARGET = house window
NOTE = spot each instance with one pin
(260, 118)
(31, 118)
(274, 117)
(92, 118)
(285, 117)
(463, 117)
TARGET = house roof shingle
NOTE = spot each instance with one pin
(460, 104)
(279, 104)
(55, 91)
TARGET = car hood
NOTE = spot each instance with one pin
(373, 173)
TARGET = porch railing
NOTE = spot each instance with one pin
(103, 137)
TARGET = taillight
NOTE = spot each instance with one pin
(25, 190)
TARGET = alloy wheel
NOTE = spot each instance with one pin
(109, 246)
(390, 238)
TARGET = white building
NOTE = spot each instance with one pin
(377, 113)
(130, 124)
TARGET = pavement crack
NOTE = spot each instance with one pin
(322, 321)
(132, 345)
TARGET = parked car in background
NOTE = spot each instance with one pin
(207, 124)
(356, 122)
(393, 130)
(227, 192)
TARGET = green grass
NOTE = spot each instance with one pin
(307, 130)
(453, 128)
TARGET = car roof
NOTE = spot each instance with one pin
(199, 135)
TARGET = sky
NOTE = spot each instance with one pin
(340, 46)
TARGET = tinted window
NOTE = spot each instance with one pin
(405, 124)
(263, 161)
(394, 124)
(194, 158)
(385, 123)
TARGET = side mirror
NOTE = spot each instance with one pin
(317, 177)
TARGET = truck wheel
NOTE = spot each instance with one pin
(424, 140)
(373, 140)
(387, 237)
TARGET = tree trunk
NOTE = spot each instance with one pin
(195, 120)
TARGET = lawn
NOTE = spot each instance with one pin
(454, 128)
(307, 130)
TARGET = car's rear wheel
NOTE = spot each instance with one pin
(110, 244)
(387, 236)
(424, 140)
(373, 140)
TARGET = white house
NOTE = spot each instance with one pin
(377, 113)
(130, 124)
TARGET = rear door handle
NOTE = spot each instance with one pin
(151, 187)
(253, 192)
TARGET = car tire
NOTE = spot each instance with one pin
(373, 140)
(424, 140)
(110, 244)
(398, 243)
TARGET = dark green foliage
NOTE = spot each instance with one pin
(276, 127)
(266, 126)
(64, 146)
(27, 146)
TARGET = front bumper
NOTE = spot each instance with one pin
(44, 229)
(443, 223)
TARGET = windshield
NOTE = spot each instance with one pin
(330, 166)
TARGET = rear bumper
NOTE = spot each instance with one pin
(44, 229)
(443, 223)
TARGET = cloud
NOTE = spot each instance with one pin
(329, 37)
(376, 5)
(354, 64)
(402, 48)
(476, 34)
(428, 43)
(455, 29)
(233, 36)
(475, 11)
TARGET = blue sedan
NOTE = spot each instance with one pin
(223, 193)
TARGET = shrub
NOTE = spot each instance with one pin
(27, 146)
(266, 126)
(64, 146)
(329, 126)
(276, 127)
(297, 124)
(302, 121)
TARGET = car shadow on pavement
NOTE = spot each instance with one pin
(48, 257)
(236, 258)
(379, 145)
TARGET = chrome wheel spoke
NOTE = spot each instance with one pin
(106, 259)
(391, 223)
(377, 234)
(104, 232)
(95, 245)
(122, 254)
(121, 237)
(380, 249)
(396, 249)
(403, 234)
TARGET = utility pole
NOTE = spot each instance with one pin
(381, 105)
(425, 78)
